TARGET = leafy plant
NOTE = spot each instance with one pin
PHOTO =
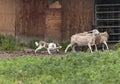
(117, 45)
(31, 43)
(49, 40)
(64, 44)
(8, 43)
(74, 68)
(1, 38)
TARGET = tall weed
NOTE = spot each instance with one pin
(117, 45)
(7, 43)
(31, 43)
(64, 44)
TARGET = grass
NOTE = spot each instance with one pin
(73, 68)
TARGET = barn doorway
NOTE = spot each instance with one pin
(107, 18)
(53, 20)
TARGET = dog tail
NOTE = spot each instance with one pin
(59, 47)
(36, 43)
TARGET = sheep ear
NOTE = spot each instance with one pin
(107, 32)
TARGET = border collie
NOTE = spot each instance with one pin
(49, 46)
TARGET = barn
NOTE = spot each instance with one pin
(59, 19)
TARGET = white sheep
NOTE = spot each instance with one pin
(83, 39)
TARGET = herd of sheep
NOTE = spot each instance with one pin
(90, 38)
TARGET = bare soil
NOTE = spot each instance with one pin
(30, 52)
(27, 52)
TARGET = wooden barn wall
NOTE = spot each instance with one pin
(53, 24)
(30, 18)
(7, 17)
(77, 16)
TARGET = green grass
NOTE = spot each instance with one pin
(73, 68)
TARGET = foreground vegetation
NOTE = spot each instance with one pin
(73, 68)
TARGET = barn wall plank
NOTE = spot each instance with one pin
(77, 16)
(7, 17)
(30, 18)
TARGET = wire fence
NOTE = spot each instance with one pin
(107, 18)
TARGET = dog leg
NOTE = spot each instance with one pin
(48, 51)
(57, 50)
(40, 47)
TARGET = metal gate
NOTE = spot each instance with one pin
(107, 18)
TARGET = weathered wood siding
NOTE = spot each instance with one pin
(53, 24)
(77, 16)
(30, 18)
(7, 17)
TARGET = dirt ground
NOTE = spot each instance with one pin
(27, 52)
(16, 53)
(30, 52)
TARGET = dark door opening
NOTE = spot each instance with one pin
(107, 18)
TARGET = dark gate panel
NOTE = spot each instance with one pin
(30, 18)
(107, 18)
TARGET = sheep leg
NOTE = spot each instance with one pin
(90, 47)
(68, 48)
(73, 48)
(96, 48)
(106, 45)
(103, 47)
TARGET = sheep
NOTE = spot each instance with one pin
(82, 40)
(94, 31)
(48, 46)
(102, 38)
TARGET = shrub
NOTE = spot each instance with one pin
(64, 44)
(49, 40)
(7, 42)
(117, 45)
(1, 37)
(31, 43)
(20, 45)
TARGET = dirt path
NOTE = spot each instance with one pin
(30, 52)
(26, 52)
